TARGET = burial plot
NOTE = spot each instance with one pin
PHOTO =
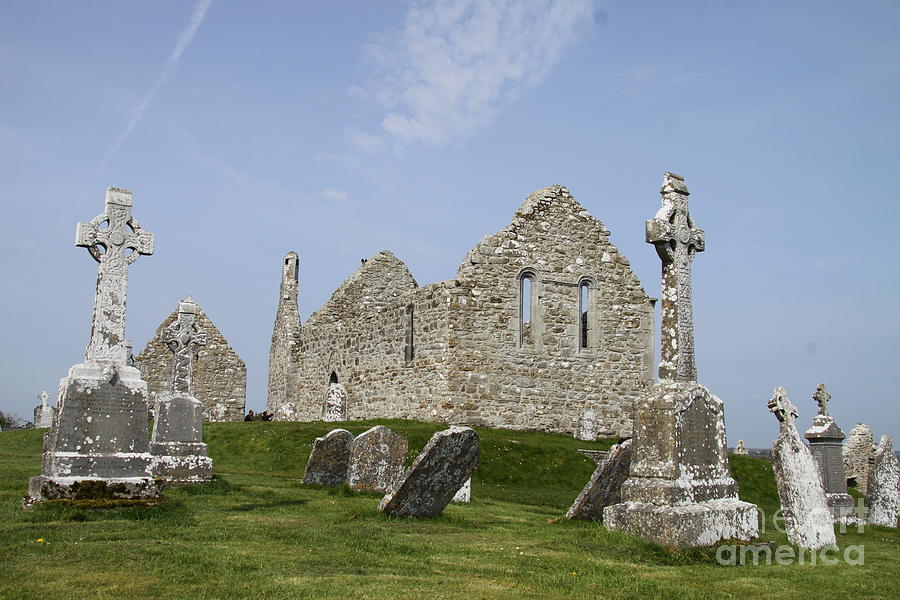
(98, 444)
(807, 519)
(605, 486)
(177, 441)
(329, 459)
(442, 467)
(376, 460)
(883, 502)
(679, 492)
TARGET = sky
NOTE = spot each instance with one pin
(337, 129)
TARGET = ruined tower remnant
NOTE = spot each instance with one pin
(177, 441)
(218, 377)
(98, 441)
(679, 492)
(544, 324)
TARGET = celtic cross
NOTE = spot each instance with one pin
(184, 337)
(676, 239)
(822, 397)
(784, 409)
(115, 240)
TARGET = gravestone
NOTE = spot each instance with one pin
(335, 403)
(329, 459)
(605, 485)
(43, 412)
(442, 467)
(98, 444)
(825, 441)
(587, 430)
(740, 449)
(464, 494)
(859, 454)
(376, 460)
(177, 440)
(883, 502)
(807, 519)
(680, 492)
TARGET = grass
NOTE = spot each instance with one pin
(255, 532)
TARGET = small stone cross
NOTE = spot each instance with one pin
(44, 397)
(184, 337)
(115, 240)
(822, 397)
(676, 239)
(783, 408)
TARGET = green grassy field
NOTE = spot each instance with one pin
(255, 532)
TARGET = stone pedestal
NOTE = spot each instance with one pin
(179, 454)
(679, 492)
(98, 446)
(826, 442)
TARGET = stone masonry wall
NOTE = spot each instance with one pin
(472, 362)
(220, 376)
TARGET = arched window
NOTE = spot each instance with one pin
(333, 378)
(526, 308)
(587, 319)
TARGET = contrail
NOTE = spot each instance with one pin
(168, 71)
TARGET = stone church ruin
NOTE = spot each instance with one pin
(544, 327)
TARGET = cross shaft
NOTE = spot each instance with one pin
(184, 338)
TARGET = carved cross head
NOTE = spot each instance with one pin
(672, 229)
(184, 333)
(44, 397)
(114, 238)
(779, 404)
(822, 397)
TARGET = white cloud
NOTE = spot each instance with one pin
(364, 141)
(168, 71)
(456, 63)
(335, 195)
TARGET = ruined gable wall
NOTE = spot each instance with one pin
(367, 353)
(283, 352)
(549, 383)
(220, 376)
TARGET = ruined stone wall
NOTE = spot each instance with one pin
(220, 376)
(474, 362)
(283, 352)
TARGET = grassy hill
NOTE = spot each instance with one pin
(256, 532)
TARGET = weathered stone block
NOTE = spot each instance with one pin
(442, 467)
(883, 501)
(605, 485)
(376, 460)
(329, 459)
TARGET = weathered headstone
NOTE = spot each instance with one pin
(464, 494)
(177, 440)
(43, 412)
(586, 428)
(883, 501)
(605, 486)
(335, 403)
(680, 492)
(825, 440)
(740, 449)
(376, 460)
(445, 463)
(98, 444)
(329, 459)
(859, 454)
(807, 519)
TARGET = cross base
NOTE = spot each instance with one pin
(41, 488)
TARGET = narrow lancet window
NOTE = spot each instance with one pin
(584, 315)
(526, 309)
(409, 352)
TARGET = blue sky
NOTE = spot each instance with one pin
(338, 129)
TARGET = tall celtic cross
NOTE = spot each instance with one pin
(783, 409)
(676, 239)
(184, 337)
(115, 240)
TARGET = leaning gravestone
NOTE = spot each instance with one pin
(98, 444)
(376, 460)
(883, 501)
(680, 492)
(605, 486)
(445, 463)
(177, 441)
(807, 518)
(859, 453)
(464, 494)
(43, 412)
(329, 459)
(825, 441)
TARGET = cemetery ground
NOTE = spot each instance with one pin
(256, 532)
